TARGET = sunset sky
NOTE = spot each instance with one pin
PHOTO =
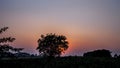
(87, 24)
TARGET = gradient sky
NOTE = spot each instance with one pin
(87, 24)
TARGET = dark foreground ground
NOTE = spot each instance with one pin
(63, 62)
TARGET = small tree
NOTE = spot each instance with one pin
(5, 49)
(52, 45)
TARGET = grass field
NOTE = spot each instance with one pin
(61, 62)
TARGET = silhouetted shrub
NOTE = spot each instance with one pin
(98, 53)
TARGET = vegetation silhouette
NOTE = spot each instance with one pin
(5, 49)
(52, 45)
(98, 53)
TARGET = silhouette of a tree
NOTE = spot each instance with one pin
(52, 45)
(5, 39)
(5, 49)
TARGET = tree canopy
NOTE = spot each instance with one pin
(52, 44)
